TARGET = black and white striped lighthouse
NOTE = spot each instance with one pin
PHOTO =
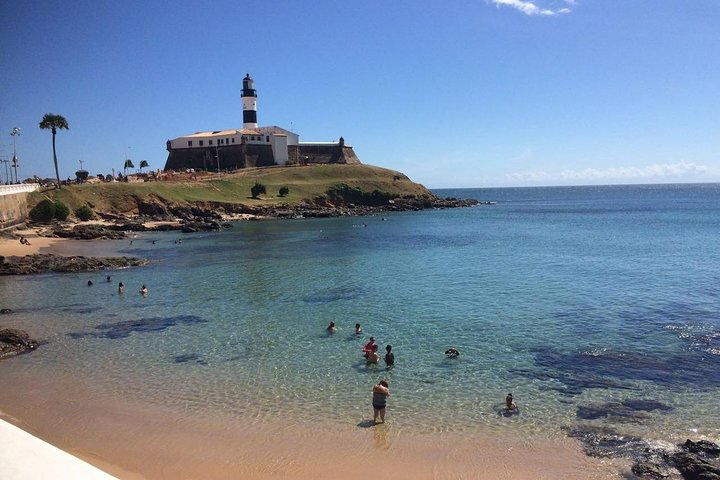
(249, 101)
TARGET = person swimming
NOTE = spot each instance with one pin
(331, 328)
(509, 403)
(90, 283)
(143, 290)
(358, 329)
(452, 352)
(108, 279)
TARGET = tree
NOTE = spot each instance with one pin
(143, 164)
(257, 189)
(128, 164)
(53, 122)
(283, 191)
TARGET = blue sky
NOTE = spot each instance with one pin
(465, 93)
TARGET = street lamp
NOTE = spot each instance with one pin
(217, 157)
(7, 178)
(15, 132)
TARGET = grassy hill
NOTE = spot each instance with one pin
(304, 183)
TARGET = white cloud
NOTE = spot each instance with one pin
(658, 172)
(531, 8)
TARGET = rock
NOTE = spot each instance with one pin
(703, 447)
(41, 263)
(649, 469)
(5, 311)
(88, 232)
(14, 342)
(694, 467)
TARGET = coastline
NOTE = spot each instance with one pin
(134, 441)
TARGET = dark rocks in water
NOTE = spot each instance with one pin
(14, 342)
(192, 227)
(646, 405)
(125, 328)
(702, 447)
(5, 311)
(189, 357)
(627, 409)
(693, 467)
(42, 263)
(650, 469)
(607, 442)
(695, 460)
(582, 370)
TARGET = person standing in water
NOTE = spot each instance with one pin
(389, 356)
(379, 400)
(121, 287)
(373, 357)
(358, 329)
(143, 290)
(331, 328)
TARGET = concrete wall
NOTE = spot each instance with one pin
(13, 203)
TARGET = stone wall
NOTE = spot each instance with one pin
(323, 154)
(233, 157)
(230, 157)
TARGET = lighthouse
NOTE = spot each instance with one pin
(249, 101)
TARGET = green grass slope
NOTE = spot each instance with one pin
(304, 183)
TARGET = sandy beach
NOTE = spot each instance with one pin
(10, 246)
(133, 441)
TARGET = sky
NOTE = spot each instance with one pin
(462, 93)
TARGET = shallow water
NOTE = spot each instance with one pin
(567, 297)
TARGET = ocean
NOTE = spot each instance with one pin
(591, 305)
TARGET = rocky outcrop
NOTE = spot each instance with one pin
(41, 263)
(88, 232)
(14, 342)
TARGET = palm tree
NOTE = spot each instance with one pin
(143, 164)
(54, 122)
(128, 164)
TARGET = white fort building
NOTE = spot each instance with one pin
(251, 145)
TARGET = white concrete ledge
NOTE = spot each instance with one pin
(18, 188)
(23, 456)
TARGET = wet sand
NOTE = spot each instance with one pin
(142, 441)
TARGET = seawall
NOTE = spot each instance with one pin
(13, 203)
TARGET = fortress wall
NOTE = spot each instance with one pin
(323, 154)
(231, 157)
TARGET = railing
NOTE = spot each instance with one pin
(18, 188)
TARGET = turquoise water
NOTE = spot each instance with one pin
(568, 297)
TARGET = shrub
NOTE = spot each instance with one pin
(43, 212)
(61, 211)
(84, 213)
(257, 189)
(344, 193)
(284, 191)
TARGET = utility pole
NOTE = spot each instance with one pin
(15, 132)
(217, 157)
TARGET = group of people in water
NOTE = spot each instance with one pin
(121, 286)
(381, 390)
